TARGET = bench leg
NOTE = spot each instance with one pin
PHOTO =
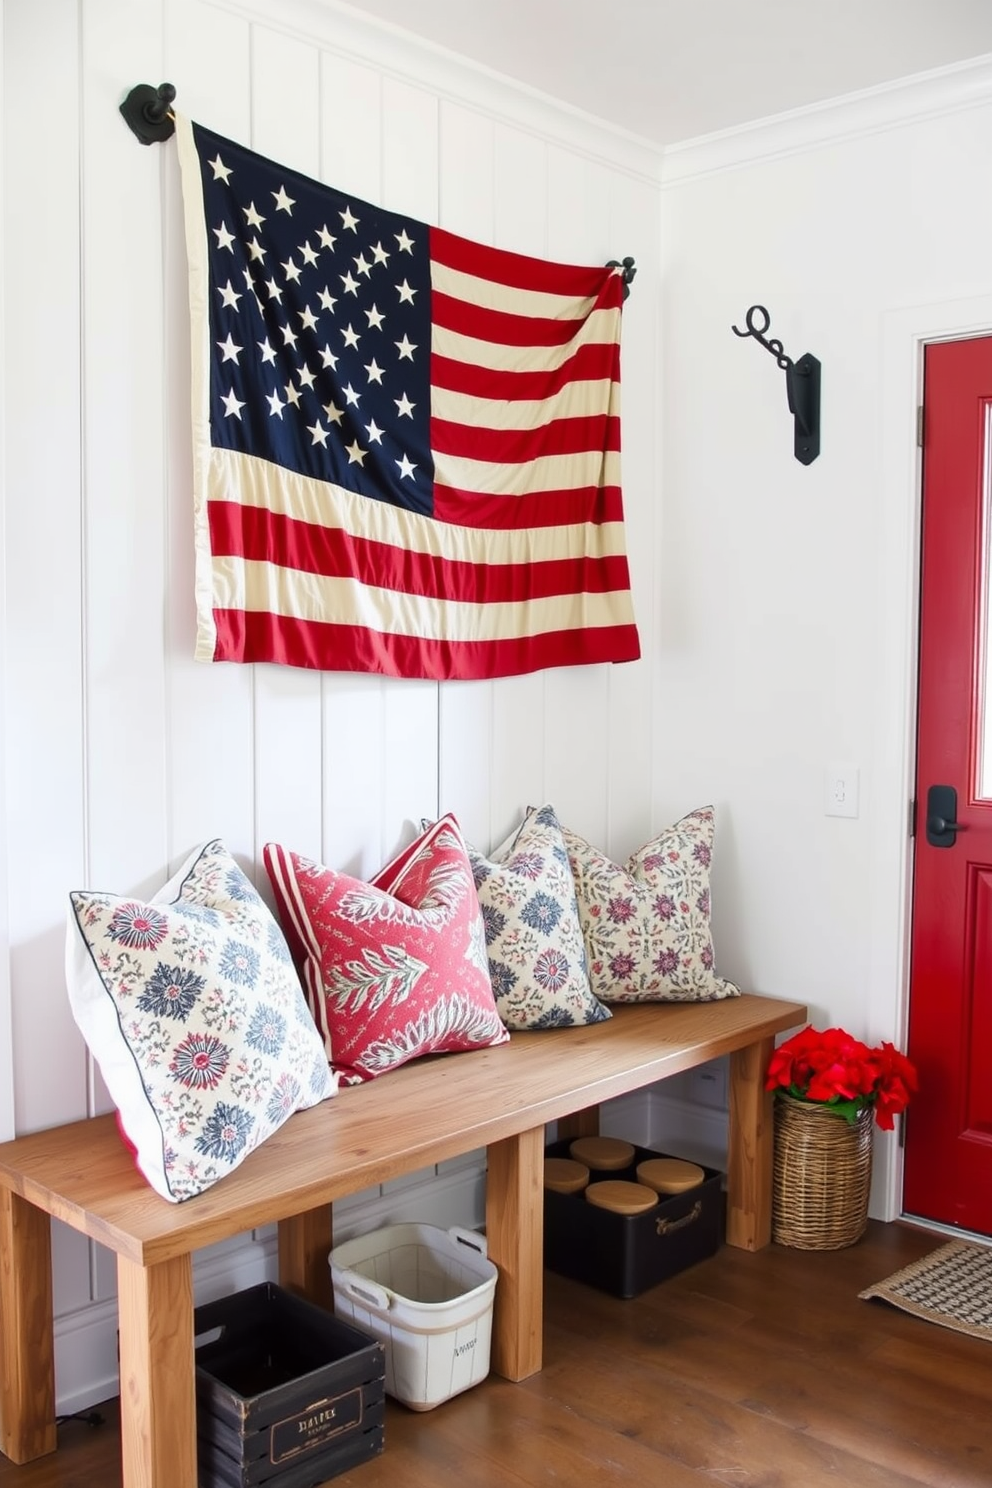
(304, 1243)
(27, 1349)
(750, 1149)
(515, 1238)
(158, 1399)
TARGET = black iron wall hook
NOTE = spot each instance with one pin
(802, 384)
(628, 269)
(148, 112)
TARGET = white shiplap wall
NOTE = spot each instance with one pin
(121, 752)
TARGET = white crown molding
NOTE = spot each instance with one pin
(927, 95)
(342, 29)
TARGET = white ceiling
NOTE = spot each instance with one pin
(670, 70)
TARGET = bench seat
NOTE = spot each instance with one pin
(429, 1110)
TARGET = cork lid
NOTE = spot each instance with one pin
(669, 1175)
(621, 1197)
(603, 1154)
(562, 1175)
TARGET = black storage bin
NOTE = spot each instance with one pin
(624, 1254)
(286, 1394)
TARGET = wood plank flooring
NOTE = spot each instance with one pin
(752, 1371)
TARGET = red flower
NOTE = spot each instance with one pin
(830, 1067)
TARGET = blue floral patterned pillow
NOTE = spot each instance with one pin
(537, 961)
(192, 1008)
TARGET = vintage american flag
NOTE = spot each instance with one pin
(406, 444)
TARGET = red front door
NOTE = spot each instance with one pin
(948, 1159)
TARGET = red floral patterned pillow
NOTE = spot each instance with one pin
(394, 968)
(646, 923)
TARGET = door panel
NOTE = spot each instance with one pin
(948, 1170)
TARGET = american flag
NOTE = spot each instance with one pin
(406, 444)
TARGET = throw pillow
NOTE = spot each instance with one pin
(191, 1007)
(537, 960)
(395, 968)
(646, 924)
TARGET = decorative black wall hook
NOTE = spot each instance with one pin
(147, 111)
(802, 384)
(627, 265)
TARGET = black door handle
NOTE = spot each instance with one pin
(942, 805)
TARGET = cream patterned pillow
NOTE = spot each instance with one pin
(646, 924)
(537, 960)
(192, 1008)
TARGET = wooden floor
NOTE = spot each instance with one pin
(752, 1371)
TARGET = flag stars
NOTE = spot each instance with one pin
(333, 413)
(350, 336)
(268, 352)
(327, 300)
(374, 432)
(328, 358)
(229, 296)
(379, 254)
(350, 284)
(362, 265)
(405, 242)
(406, 468)
(276, 405)
(275, 293)
(326, 238)
(350, 222)
(375, 318)
(252, 217)
(306, 377)
(288, 336)
(308, 254)
(374, 371)
(307, 319)
(406, 348)
(249, 281)
(355, 454)
(291, 271)
(230, 350)
(283, 202)
(405, 293)
(292, 395)
(224, 237)
(232, 406)
(405, 406)
(255, 251)
(351, 397)
(221, 171)
(318, 433)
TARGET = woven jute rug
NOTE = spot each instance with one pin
(951, 1286)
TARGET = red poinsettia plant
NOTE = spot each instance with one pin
(828, 1067)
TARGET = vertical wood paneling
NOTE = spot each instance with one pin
(210, 740)
(354, 829)
(287, 724)
(409, 184)
(42, 554)
(465, 711)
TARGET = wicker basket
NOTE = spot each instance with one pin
(822, 1176)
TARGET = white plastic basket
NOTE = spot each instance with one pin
(427, 1295)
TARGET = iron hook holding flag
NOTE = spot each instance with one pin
(802, 384)
(627, 269)
(148, 112)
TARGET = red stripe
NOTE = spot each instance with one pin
(521, 272)
(586, 504)
(500, 327)
(589, 364)
(567, 436)
(260, 536)
(350, 648)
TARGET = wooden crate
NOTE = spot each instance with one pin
(287, 1395)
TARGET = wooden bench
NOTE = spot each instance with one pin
(423, 1113)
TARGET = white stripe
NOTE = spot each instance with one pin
(574, 400)
(546, 473)
(599, 330)
(246, 480)
(265, 588)
(492, 296)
